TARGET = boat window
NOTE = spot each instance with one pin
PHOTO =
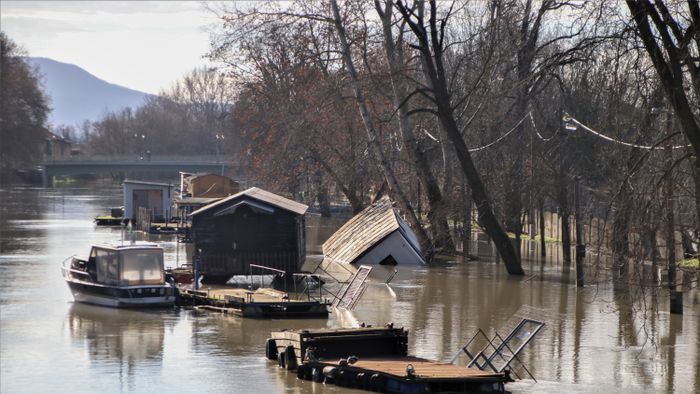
(142, 267)
(107, 263)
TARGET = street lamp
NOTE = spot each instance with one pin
(219, 141)
(569, 123)
(140, 141)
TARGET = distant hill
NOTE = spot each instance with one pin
(77, 95)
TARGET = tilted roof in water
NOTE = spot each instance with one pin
(363, 231)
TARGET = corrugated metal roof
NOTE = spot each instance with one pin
(363, 231)
(260, 195)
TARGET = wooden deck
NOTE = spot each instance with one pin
(263, 302)
(259, 295)
(424, 368)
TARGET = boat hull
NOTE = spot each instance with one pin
(116, 297)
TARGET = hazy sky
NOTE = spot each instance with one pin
(138, 44)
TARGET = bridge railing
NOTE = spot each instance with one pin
(96, 159)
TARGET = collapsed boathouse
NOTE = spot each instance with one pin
(251, 227)
(377, 235)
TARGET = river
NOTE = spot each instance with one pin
(594, 339)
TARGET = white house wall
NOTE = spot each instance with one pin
(408, 232)
(395, 245)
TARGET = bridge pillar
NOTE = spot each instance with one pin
(46, 179)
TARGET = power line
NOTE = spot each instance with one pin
(534, 127)
(499, 138)
(569, 118)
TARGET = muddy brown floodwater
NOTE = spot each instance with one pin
(594, 339)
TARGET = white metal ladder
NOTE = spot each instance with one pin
(499, 352)
(354, 289)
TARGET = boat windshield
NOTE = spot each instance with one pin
(141, 267)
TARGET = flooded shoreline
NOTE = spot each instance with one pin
(595, 338)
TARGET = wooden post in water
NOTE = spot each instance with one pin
(580, 246)
(543, 242)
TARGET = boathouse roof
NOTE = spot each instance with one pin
(196, 200)
(365, 230)
(128, 245)
(147, 183)
(260, 195)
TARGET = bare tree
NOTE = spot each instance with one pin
(394, 49)
(671, 37)
(372, 136)
(430, 44)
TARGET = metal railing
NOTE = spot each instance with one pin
(499, 348)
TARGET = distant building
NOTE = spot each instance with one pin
(209, 186)
(154, 196)
(57, 147)
(251, 227)
(198, 190)
(377, 235)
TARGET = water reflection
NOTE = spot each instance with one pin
(127, 337)
(599, 337)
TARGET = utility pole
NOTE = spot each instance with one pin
(580, 246)
(676, 297)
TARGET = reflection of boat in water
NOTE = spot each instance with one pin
(183, 274)
(129, 275)
(118, 335)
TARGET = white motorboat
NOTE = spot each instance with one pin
(130, 275)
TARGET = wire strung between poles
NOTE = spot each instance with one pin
(569, 118)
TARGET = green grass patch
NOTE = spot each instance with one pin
(548, 240)
(689, 263)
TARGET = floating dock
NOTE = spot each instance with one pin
(374, 359)
(260, 303)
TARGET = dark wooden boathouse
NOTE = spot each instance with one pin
(250, 227)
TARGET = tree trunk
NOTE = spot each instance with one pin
(543, 241)
(324, 201)
(620, 231)
(564, 214)
(479, 195)
(696, 179)
(467, 231)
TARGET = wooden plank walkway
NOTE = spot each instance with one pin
(424, 368)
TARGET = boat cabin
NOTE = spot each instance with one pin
(136, 264)
(250, 227)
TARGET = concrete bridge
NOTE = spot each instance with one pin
(134, 163)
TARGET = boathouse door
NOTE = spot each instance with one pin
(149, 199)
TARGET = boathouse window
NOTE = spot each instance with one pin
(142, 267)
(107, 262)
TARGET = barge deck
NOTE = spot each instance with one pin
(374, 359)
(261, 303)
